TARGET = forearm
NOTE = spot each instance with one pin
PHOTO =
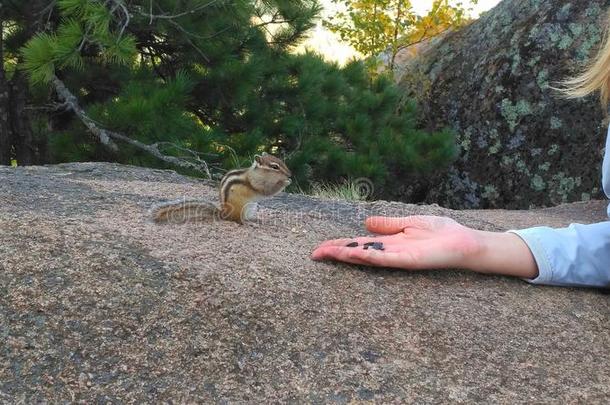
(501, 253)
(574, 256)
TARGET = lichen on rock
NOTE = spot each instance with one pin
(492, 82)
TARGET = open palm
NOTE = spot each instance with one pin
(416, 242)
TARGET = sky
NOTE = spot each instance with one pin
(328, 44)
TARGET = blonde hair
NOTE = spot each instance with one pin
(595, 77)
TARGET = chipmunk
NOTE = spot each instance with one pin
(239, 191)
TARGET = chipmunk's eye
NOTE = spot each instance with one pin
(274, 166)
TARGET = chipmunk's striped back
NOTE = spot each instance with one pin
(229, 180)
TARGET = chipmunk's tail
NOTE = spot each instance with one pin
(184, 210)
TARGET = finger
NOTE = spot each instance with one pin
(392, 225)
(337, 253)
(399, 260)
(368, 257)
(336, 242)
(344, 242)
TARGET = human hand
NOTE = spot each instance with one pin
(429, 242)
(416, 242)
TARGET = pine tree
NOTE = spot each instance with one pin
(216, 82)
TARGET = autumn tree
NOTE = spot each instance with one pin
(373, 27)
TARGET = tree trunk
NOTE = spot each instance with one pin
(5, 144)
(16, 135)
(396, 35)
(21, 128)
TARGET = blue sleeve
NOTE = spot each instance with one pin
(575, 256)
(606, 169)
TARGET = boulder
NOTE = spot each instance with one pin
(521, 145)
(100, 305)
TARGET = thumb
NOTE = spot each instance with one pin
(393, 225)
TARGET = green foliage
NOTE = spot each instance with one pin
(75, 8)
(218, 80)
(152, 111)
(84, 24)
(349, 125)
(39, 58)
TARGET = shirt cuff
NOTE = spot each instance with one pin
(532, 240)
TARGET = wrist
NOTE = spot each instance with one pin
(502, 253)
(477, 258)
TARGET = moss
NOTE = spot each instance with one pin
(558, 37)
(513, 113)
(496, 144)
(593, 11)
(565, 42)
(495, 148)
(490, 193)
(556, 123)
(554, 34)
(537, 183)
(522, 166)
(564, 185)
(585, 197)
(534, 31)
(506, 161)
(465, 144)
(505, 20)
(543, 79)
(576, 29)
(464, 141)
(533, 62)
(545, 166)
(553, 149)
(593, 37)
(516, 62)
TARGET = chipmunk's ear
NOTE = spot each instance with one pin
(259, 159)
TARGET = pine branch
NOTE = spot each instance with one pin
(424, 38)
(174, 16)
(125, 23)
(71, 102)
(107, 137)
(175, 24)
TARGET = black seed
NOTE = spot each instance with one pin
(352, 244)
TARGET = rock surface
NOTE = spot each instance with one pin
(97, 304)
(520, 144)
